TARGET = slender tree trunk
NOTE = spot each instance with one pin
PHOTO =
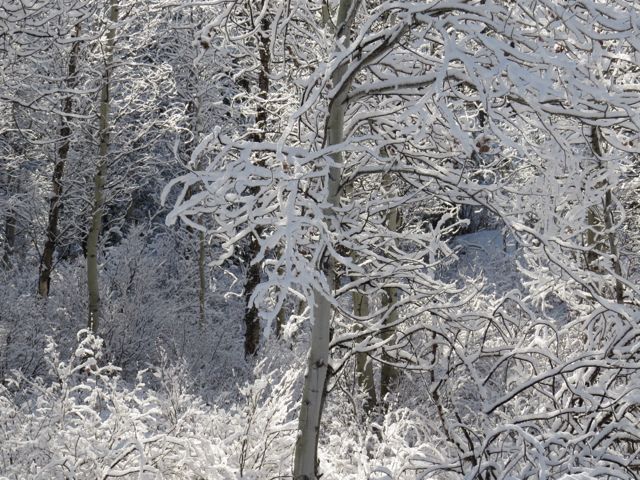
(592, 237)
(595, 225)
(55, 203)
(10, 224)
(202, 244)
(100, 176)
(607, 213)
(251, 315)
(10, 218)
(389, 372)
(309, 421)
(613, 248)
(194, 109)
(306, 452)
(364, 366)
(92, 244)
(202, 257)
(281, 321)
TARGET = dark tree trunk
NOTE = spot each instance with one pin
(9, 237)
(252, 316)
(55, 203)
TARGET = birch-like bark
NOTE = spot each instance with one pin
(281, 321)
(100, 176)
(55, 203)
(306, 450)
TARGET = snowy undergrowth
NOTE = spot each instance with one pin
(150, 314)
(87, 423)
(513, 390)
(204, 412)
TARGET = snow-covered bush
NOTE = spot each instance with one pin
(84, 422)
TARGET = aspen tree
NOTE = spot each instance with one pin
(309, 421)
(101, 173)
(419, 103)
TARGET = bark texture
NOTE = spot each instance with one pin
(309, 421)
(55, 203)
(597, 227)
(389, 372)
(10, 224)
(252, 315)
(364, 366)
(100, 176)
(202, 279)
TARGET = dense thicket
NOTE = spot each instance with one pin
(344, 239)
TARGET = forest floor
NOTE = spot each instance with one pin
(165, 397)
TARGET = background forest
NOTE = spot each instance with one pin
(338, 239)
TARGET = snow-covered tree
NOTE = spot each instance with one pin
(411, 82)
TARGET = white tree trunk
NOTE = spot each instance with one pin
(100, 176)
(306, 450)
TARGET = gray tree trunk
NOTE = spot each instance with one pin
(194, 107)
(100, 176)
(12, 182)
(389, 372)
(202, 257)
(194, 110)
(10, 224)
(364, 366)
(309, 421)
(608, 220)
